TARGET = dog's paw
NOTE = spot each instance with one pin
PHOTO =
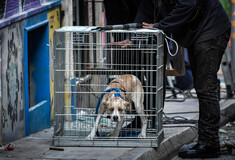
(141, 135)
(89, 137)
(108, 134)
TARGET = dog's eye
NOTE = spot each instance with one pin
(111, 109)
(120, 109)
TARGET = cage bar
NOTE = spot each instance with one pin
(86, 60)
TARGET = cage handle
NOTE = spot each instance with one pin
(121, 27)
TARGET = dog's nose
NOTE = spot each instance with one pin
(115, 118)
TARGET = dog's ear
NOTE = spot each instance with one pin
(128, 105)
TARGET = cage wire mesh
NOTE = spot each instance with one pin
(85, 62)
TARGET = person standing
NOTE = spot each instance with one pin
(202, 27)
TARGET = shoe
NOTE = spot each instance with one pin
(197, 150)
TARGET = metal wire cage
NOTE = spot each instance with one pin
(86, 60)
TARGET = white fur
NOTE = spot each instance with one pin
(137, 97)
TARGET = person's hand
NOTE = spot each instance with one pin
(124, 43)
(147, 25)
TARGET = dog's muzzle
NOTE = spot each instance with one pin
(115, 118)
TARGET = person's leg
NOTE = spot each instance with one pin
(205, 59)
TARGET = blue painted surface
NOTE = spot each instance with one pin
(26, 85)
(29, 13)
(36, 113)
(73, 98)
(34, 20)
(36, 57)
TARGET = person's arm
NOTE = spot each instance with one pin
(183, 11)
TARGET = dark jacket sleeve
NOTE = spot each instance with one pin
(183, 11)
(145, 12)
(115, 12)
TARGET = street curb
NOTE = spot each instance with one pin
(170, 146)
(166, 150)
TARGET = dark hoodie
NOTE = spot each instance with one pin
(187, 21)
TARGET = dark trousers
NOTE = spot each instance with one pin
(205, 58)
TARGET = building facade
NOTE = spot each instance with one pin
(26, 34)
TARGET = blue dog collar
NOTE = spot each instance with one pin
(118, 94)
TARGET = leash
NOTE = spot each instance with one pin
(122, 88)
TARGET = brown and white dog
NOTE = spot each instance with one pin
(131, 90)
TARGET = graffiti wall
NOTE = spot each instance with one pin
(12, 7)
(12, 83)
(12, 93)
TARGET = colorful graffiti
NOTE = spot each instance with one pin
(9, 8)
(28, 4)
(12, 7)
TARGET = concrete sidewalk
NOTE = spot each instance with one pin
(38, 146)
